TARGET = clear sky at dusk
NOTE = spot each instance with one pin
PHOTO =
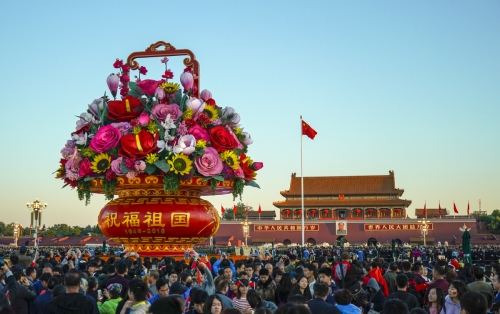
(409, 86)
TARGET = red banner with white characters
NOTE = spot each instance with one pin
(396, 227)
(307, 227)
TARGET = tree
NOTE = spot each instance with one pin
(492, 221)
(240, 212)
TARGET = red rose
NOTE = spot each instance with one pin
(148, 87)
(221, 139)
(124, 110)
(84, 168)
(138, 146)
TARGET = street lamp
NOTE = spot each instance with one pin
(246, 230)
(36, 208)
(17, 231)
(424, 229)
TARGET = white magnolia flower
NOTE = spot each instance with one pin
(231, 115)
(163, 145)
(80, 140)
(185, 145)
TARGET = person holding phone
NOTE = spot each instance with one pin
(112, 293)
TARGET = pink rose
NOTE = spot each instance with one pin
(115, 166)
(199, 133)
(143, 119)
(107, 137)
(148, 87)
(209, 164)
(161, 111)
(84, 168)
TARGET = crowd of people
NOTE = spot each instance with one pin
(314, 280)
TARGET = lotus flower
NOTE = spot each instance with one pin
(112, 82)
(187, 80)
(185, 145)
(206, 94)
(248, 140)
(197, 105)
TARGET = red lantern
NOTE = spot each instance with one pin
(325, 211)
(357, 211)
(313, 212)
(287, 212)
(370, 211)
(300, 212)
(397, 210)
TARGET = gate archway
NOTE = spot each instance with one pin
(372, 242)
(287, 242)
(341, 240)
(311, 241)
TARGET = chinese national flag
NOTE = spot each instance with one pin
(260, 210)
(307, 130)
(235, 210)
(222, 210)
(455, 208)
(425, 210)
(439, 208)
(246, 210)
(468, 208)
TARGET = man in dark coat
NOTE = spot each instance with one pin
(25, 296)
(72, 301)
(401, 294)
(319, 305)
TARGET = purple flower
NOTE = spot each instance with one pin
(210, 163)
(248, 140)
(97, 103)
(161, 111)
(227, 172)
(199, 133)
(130, 163)
(115, 166)
(182, 129)
(140, 166)
(159, 93)
(123, 127)
(68, 149)
(107, 137)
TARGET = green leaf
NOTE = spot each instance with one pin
(124, 168)
(182, 103)
(218, 178)
(238, 151)
(178, 96)
(88, 179)
(150, 169)
(253, 183)
(162, 165)
(135, 91)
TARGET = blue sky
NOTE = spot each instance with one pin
(388, 85)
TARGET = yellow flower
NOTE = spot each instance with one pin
(188, 114)
(101, 163)
(170, 87)
(237, 130)
(136, 130)
(151, 158)
(152, 127)
(180, 164)
(201, 144)
(211, 112)
(88, 152)
(230, 158)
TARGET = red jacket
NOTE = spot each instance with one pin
(376, 273)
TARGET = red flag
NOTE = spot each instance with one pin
(425, 210)
(455, 208)
(235, 210)
(260, 210)
(246, 210)
(439, 208)
(222, 210)
(468, 208)
(307, 130)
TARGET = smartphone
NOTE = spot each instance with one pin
(153, 267)
(99, 294)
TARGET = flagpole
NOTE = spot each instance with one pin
(425, 209)
(301, 180)
(454, 214)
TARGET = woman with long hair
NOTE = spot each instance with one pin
(256, 301)
(455, 291)
(436, 301)
(213, 305)
(240, 302)
(283, 289)
(137, 298)
(302, 287)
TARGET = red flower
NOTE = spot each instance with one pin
(138, 146)
(203, 118)
(124, 110)
(211, 102)
(73, 184)
(245, 166)
(222, 140)
(190, 123)
(168, 74)
(143, 70)
(118, 64)
(124, 91)
(125, 68)
(188, 69)
(110, 175)
(148, 87)
(84, 168)
(124, 79)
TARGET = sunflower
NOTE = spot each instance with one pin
(230, 159)
(169, 87)
(101, 163)
(211, 112)
(180, 164)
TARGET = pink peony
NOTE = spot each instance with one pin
(84, 168)
(209, 164)
(148, 87)
(115, 166)
(161, 111)
(199, 133)
(107, 137)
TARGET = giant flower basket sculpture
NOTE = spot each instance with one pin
(159, 146)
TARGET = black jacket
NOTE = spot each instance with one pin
(71, 303)
(320, 306)
(22, 302)
(407, 298)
